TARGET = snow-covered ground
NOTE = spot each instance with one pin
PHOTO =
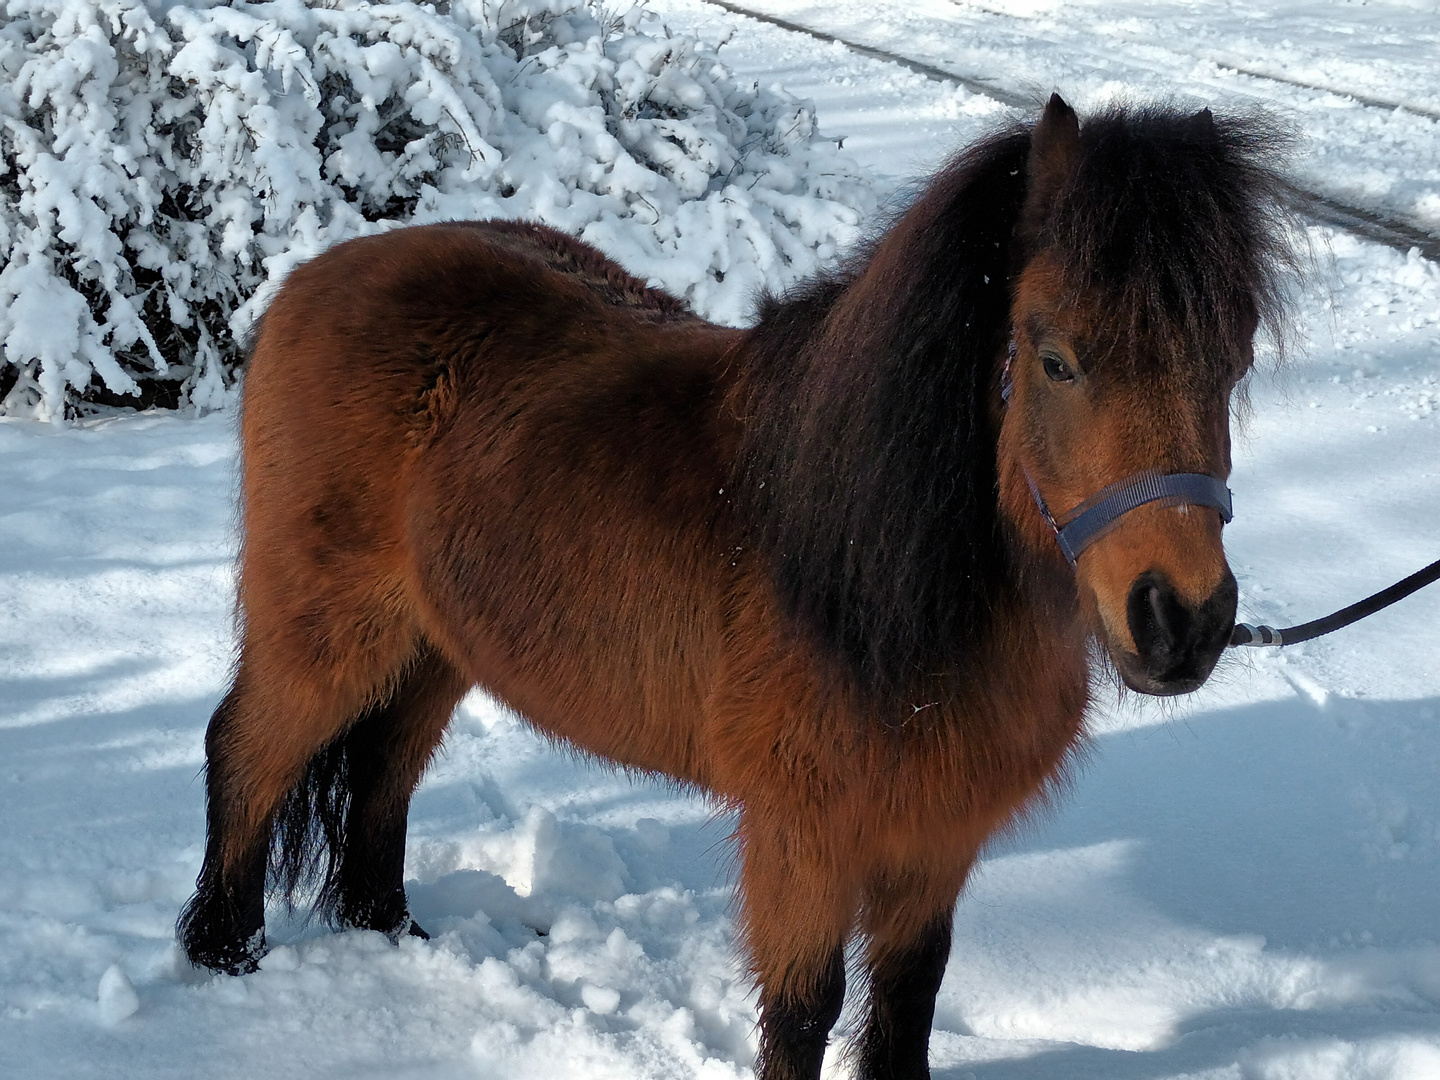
(1242, 885)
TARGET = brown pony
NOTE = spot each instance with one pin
(798, 567)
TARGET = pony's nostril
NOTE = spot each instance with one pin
(1159, 623)
(1176, 644)
(1157, 612)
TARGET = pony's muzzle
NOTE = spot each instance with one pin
(1177, 643)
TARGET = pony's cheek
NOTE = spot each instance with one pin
(1038, 445)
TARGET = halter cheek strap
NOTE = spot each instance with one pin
(1093, 518)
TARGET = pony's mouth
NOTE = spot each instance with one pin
(1136, 675)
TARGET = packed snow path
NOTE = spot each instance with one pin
(1240, 885)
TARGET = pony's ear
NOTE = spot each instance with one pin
(1203, 124)
(1054, 149)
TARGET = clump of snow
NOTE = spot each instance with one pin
(164, 166)
(117, 998)
(539, 854)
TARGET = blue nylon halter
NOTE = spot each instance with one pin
(1097, 515)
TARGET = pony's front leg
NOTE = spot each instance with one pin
(796, 1018)
(796, 915)
(907, 921)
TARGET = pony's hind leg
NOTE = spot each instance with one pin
(379, 761)
(223, 925)
(275, 718)
(905, 960)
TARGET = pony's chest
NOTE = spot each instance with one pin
(970, 762)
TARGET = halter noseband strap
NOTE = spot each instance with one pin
(1086, 523)
(1094, 517)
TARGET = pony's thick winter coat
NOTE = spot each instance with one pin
(793, 566)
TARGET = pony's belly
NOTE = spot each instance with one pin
(609, 670)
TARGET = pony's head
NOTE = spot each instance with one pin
(1148, 247)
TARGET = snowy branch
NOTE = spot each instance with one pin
(165, 166)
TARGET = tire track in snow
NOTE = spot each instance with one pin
(1366, 100)
(1360, 99)
(1366, 222)
(976, 84)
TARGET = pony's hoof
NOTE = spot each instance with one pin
(406, 927)
(230, 958)
(390, 917)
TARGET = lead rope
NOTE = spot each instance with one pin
(1262, 636)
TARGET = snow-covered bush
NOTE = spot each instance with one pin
(165, 165)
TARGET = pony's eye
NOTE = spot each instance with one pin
(1058, 370)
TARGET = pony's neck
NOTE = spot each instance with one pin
(866, 469)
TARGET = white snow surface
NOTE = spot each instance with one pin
(1239, 886)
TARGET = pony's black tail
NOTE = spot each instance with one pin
(308, 834)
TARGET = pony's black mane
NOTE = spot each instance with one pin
(867, 469)
(868, 463)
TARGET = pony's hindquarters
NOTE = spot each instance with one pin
(461, 466)
(337, 700)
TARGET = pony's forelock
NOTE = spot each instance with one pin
(1179, 222)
